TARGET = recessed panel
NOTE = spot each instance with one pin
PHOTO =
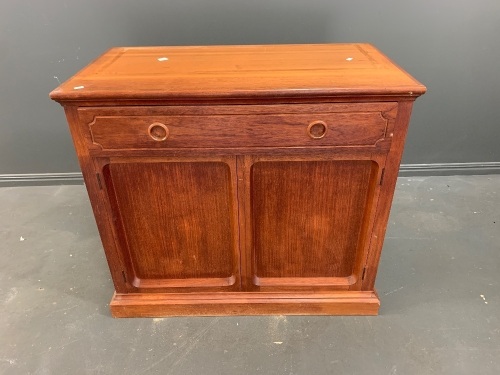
(176, 218)
(225, 131)
(307, 217)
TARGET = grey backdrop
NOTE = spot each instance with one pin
(450, 45)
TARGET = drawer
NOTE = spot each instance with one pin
(153, 129)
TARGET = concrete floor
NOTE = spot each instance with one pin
(439, 282)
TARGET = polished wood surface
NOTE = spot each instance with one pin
(241, 179)
(206, 72)
(306, 218)
(287, 130)
(210, 304)
(115, 128)
(163, 210)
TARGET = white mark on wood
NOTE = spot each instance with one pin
(163, 59)
(78, 87)
(350, 59)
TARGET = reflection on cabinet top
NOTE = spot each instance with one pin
(239, 72)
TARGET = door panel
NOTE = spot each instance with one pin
(307, 219)
(176, 221)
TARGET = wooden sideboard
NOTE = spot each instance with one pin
(241, 179)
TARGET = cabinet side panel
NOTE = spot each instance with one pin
(176, 218)
(81, 140)
(307, 216)
(387, 193)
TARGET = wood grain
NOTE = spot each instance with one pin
(210, 304)
(241, 180)
(307, 217)
(387, 192)
(100, 205)
(165, 210)
(231, 72)
(350, 129)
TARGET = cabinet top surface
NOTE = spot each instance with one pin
(238, 72)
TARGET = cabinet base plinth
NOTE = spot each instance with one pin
(213, 304)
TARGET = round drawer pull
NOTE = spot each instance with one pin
(317, 129)
(158, 131)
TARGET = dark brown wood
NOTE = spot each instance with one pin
(100, 205)
(209, 304)
(387, 193)
(241, 179)
(292, 130)
(162, 215)
(307, 217)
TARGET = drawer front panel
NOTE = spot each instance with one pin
(153, 131)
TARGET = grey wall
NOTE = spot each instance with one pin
(451, 46)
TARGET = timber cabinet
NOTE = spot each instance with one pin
(241, 179)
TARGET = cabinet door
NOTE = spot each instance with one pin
(175, 221)
(309, 221)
